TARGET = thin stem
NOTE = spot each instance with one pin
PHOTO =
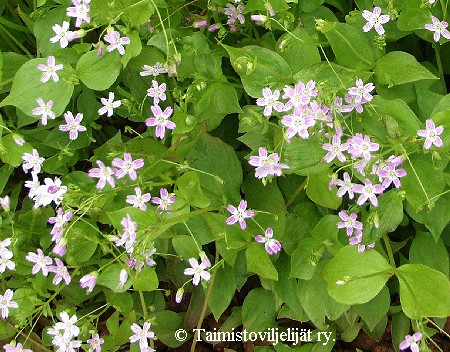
(417, 176)
(297, 192)
(8, 81)
(34, 342)
(205, 305)
(192, 235)
(387, 243)
(18, 43)
(437, 50)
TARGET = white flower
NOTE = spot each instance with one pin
(45, 110)
(142, 335)
(139, 200)
(109, 105)
(67, 325)
(50, 70)
(50, 191)
(198, 271)
(32, 161)
(375, 19)
(439, 28)
(63, 35)
(152, 70)
(123, 277)
(6, 303)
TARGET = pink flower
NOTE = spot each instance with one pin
(270, 101)
(127, 166)
(335, 149)
(361, 92)
(89, 281)
(389, 174)
(157, 92)
(368, 191)
(165, 200)
(142, 335)
(259, 18)
(41, 261)
(361, 146)
(139, 200)
(59, 220)
(298, 123)
(73, 125)
(129, 235)
(198, 271)
(104, 174)
(375, 19)
(439, 28)
(109, 105)
(160, 120)
(179, 295)
(95, 342)
(266, 165)
(352, 104)
(61, 272)
(50, 70)
(431, 134)
(6, 303)
(44, 110)
(116, 42)
(239, 214)
(80, 11)
(349, 222)
(272, 245)
(411, 342)
(300, 95)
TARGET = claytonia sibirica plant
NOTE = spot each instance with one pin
(236, 164)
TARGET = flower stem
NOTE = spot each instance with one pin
(437, 49)
(205, 305)
(387, 243)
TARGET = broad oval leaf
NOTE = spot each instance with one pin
(424, 292)
(355, 278)
(259, 68)
(99, 73)
(258, 310)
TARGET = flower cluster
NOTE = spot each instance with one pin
(65, 332)
(6, 302)
(354, 229)
(123, 167)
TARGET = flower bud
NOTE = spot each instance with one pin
(179, 295)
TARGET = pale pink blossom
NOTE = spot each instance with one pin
(198, 271)
(157, 92)
(127, 166)
(41, 261)
(272, 245)
(44, 110)
(104, 174)
(109, 105)
(50, 70)
(375, 20)
(73, 125)
(431, 134)
(116, 42)
(160, 120)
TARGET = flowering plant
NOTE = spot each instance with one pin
(175, 166)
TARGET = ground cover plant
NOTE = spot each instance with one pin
(254, 175)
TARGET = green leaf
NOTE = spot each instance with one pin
(81, 242)
(259, 262)
(109, 277)
(350, 46)
(11, 64)
(43, 30)
(185, 246)
(422, 246)
(318, 191)
(214, 102)
(144, 219)
(305, 156)
(413, 17)
(222, 291)
(305, 258)
(258, 310)
(406, 120)
(355, 278)
(189, 188)
(168, 323)
(147, 280)
(27, 88)
(311, 5)
(424, 292)
(214, 156)
(326, 231)
(11, 153)
(317, 302)
(398, 67)
(423, 181)
(99, 73)
(373, 311)
(390, 214)
(298, 41)
(401, 326)
(259, 68)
